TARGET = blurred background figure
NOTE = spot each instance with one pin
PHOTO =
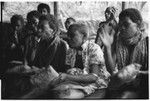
(44, 9)
(69, 21)
(110, 21)
(14, 49)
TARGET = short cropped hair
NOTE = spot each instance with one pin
(83, 29)
(70, 19)
(133, 14)
(111, 9)
(42, 6)
(32, 14)
(52, 21)
(15, 18)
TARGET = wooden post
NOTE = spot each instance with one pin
(2, 8)
(1, 12)
(123, 5)
(56, 9)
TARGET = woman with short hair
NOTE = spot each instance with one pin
(131, 47)
(87, 75)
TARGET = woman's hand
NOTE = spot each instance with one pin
(106, 34)
(13, 46)
(129, 72)
(144, 72)
(63, 76)
(89, 89)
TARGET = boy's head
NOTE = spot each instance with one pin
(47, 25)
(69, 21)
(44, 9)
(33, 19)
(110, 13)
(77, 34)
(17, 22)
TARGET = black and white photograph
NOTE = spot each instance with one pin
(74, 50)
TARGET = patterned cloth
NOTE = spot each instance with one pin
(131, 53)
(91, 54)
(137, 53)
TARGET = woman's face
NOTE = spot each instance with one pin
(33, 23)
(44, 11)
(17, 25)
(75, 39)
(127, 27)
(45, 29)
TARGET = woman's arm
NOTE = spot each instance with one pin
(110, 60)
(25, 62)
(108, 40)
(88, 78)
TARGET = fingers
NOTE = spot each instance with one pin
(101, 37)
(89, 89)
(112, 33)
(138, 65)
(102, 33)
(143, 72)
(93, 87)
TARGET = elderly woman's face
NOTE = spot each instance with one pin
(127, 27)
(75, 39)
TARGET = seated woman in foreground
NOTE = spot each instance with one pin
(131, 51)
(88, 72)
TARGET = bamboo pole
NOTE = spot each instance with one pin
(123, 5)
(56, 9)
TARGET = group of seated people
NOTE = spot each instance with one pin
(44, 62)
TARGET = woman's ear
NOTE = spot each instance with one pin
(85, 38)
(141, 26)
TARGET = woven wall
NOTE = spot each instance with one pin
(90, 13)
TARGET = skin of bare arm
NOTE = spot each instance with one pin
(88, 78)
(108, 40)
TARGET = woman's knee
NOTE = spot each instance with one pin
(71, 94)
(129, 95)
